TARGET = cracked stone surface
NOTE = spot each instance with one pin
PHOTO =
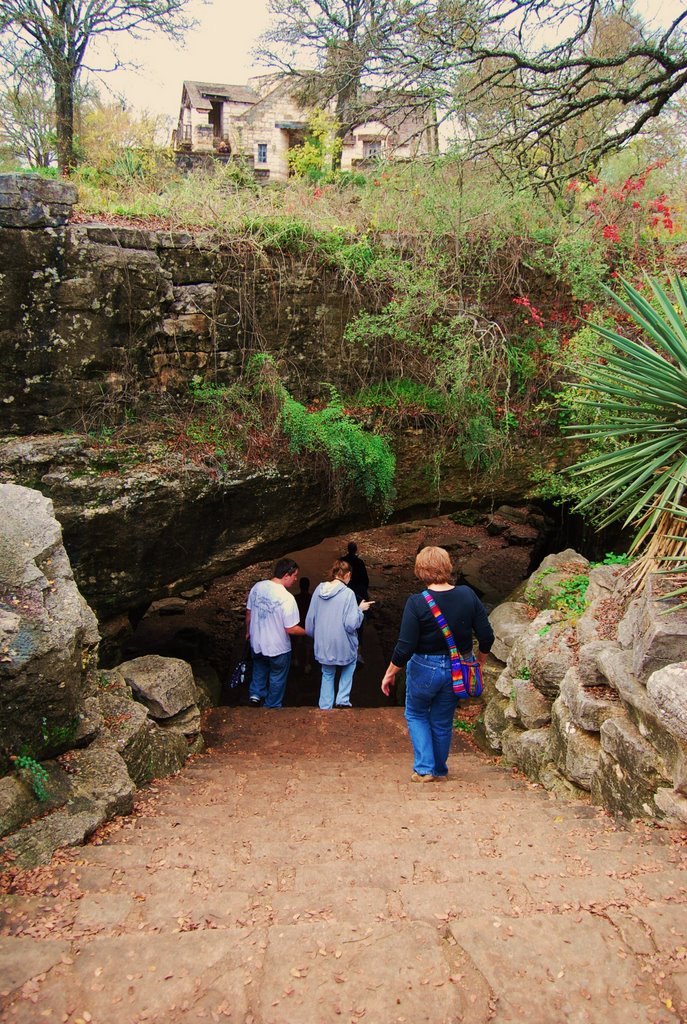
(293, 874)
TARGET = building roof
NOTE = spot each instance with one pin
(199, 93)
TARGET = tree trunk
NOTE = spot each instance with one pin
(64, 111)
(344, 100)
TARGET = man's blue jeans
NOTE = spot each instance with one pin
(268, 681)
(430, 705)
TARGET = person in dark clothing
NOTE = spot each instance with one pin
(302, 645)
(422, 649)
(360, 581)
(303, 598)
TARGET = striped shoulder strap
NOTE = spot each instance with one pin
(456, 670)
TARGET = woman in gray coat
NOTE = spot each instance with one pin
(333, 620)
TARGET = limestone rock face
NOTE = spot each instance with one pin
(28, 201)
(184, 525)
(657, 639)
(48, 635)
(207, 683)
(668, 689)
(508, 620)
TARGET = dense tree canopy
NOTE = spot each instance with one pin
(56, 34)
(550, 86)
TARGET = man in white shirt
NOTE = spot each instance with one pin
(271, 620)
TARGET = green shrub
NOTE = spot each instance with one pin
(34, 773)
(356, 456)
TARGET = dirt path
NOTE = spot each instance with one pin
(294, 875)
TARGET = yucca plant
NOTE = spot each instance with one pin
(638, 412)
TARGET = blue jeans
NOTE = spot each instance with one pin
(268, 680)
(327, 687)
(430, 704)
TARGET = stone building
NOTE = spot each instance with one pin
(261, 121)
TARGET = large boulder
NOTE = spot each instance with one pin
(589, 706)
(165, 685)
(48, 634)
(642, 709)
(574, 751)
(508, 620)
(531, 707)
(668, 689)
(98, 788)
(543, 588)
(656, 634)
(629, 772)
(550, 658)
(526, 749)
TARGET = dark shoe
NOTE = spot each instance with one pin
(343, 705)
(254, 702)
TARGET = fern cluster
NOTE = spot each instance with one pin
(357, 457)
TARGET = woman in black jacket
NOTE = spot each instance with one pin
(423, 649)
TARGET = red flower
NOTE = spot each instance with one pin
(610, 232)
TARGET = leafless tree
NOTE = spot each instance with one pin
(551, 86)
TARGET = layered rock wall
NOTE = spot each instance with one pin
(74, 741)
(589, 702)
(97, 319)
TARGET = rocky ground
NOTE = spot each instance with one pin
(293, 874)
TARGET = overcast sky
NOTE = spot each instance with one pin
(218, 50)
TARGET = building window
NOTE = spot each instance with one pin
(262, 152)
(372, 150)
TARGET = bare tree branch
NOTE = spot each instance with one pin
(57, 33)
(563, 82)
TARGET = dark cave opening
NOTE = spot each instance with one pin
(205, 626)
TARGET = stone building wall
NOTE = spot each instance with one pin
(260, 126)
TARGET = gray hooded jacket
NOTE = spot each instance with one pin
(333, 620)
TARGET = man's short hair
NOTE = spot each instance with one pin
(284, 567)
(352, 547)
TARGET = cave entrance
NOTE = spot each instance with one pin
(205, 626)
